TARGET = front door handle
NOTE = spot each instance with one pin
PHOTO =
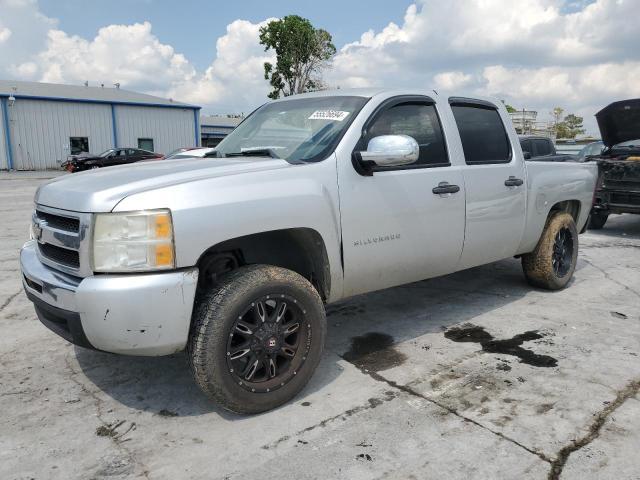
(513, 182)
(445, 187)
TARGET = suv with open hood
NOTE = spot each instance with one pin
(618, 187)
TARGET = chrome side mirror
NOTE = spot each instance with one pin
(391, 151)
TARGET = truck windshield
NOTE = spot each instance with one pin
(296, 130)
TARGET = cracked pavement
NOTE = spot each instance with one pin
(392, 398)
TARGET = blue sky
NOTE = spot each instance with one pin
(192, 26)
(534, 54)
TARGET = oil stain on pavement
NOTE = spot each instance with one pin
(374, 352)
(510, 346)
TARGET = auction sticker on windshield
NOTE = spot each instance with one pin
(336, 115)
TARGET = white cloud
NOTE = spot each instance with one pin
(451, 80)
(532, 53)
(128, 54)
(23, 33)
(133, 56)
(5, 33)
(25, 71)
(235, 80)
(580, 54)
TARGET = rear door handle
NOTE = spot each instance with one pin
(513, 182)
(445, 187)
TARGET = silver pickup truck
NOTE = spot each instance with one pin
(312, 199)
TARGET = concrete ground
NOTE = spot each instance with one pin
(554, 395)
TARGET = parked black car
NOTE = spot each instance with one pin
(541, 149)
(113, 156)
(618, 186)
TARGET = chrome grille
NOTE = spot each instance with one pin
(63, 239)
(63, 256)
(60, 222)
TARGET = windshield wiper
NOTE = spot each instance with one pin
(254, 152)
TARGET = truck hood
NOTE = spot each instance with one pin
(100, 190)
(619, 122)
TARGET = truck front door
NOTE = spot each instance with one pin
(395, 228)
(495, 179)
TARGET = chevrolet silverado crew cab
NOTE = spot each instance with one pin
(312, 199)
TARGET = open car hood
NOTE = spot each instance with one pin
(619, 122)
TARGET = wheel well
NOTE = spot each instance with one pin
(299, 249)
(572, 207)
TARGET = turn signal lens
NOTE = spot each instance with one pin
(163, 225)
(164, 255)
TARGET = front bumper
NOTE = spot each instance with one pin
(617, 201)
(135, 314)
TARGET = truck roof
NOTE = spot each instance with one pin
(374, 91)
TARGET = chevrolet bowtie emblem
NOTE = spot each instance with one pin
(37, 230)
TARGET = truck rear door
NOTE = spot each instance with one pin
(495, 179)
(396, 227)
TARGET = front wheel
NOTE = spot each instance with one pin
(552, 263)
(597, 220)
(256, 338)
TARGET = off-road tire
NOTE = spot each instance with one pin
(538, 265)
(597, 220)
(214, 318)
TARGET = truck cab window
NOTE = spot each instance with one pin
(417, 120)
(484, 138)
(543, 147)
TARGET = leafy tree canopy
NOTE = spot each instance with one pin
(302, 52)
(570, 127)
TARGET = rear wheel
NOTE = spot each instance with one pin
(552, 263)
(597, 220)
(256, 338)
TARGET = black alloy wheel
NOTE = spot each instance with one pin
(268, 343)
(256, 337)
(562, 256)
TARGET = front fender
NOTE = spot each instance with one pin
(210, 211)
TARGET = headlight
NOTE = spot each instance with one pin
(133, 241)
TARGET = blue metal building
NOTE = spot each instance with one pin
(42, 123)
(214, 128)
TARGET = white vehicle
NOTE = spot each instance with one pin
(312, 199)
(190, 153)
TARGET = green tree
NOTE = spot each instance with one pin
(569, 127)
(302, 52)
(557, 114)
(573, 125)
(510, 109)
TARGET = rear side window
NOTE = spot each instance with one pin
(543, 148)
(526, 146)
(484, 138)
(417, 120)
